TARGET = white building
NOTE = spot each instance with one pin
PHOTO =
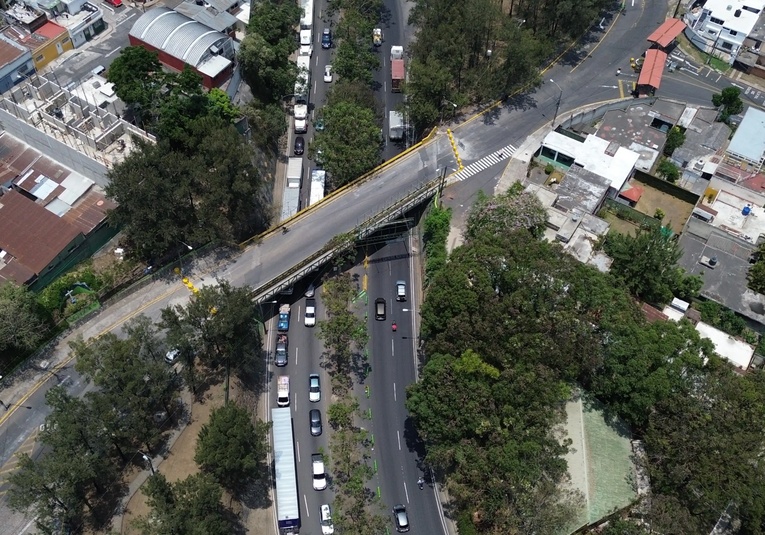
(723, 25)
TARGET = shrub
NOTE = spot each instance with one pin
(549, 168)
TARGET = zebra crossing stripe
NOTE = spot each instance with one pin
(486, 162)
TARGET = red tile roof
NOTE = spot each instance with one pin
(51, 30)
(666, 33)
(32, 234)
(633, 194)
(653, 68)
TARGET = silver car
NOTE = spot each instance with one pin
(314, 388)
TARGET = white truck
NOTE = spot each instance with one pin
(302, 90)
(395, 126)
(283, 391)
(306, 45)
(294, 173)
(319, 476)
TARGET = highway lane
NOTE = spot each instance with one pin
(394, 367)
(393, 26)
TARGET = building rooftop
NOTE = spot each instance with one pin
(74, 21)
(597, 155)
(738, 15)
(726, 283)
(19, 35)
(738, 216)
(666, 33)
(583, 243)
(9, 52)
(219, 20)
(581, 189)
(738, 352)
(632, 194)
(748, 142)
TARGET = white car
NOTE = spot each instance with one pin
(314, 388)
(319, 477)
(327, 527)
(310, 312)
(328, 73)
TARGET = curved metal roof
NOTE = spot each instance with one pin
(175, 34)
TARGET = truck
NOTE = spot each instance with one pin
(319, 475)
(283, 391)
(318, 178)
(287, 501)
(302, 88)
(397, 71)
(306, 18)
(284, 319)
(395, 126)
(294, 172)
(377, 37)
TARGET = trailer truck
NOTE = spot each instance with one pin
(397, 71)
(285, 473)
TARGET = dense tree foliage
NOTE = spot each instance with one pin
(512, 324)
(191, 506)
(22, 323)
(516, 209)
(729, 100)
(466, 51)
(231, 448)
(647, 265)
(675, 138)
(435, 236)
(668, 171)
(205, 188)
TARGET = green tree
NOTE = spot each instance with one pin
(191, 506)
(231, 448)
(267, 123)
(506, 213)
(138, 78)
(350, 144)
(675, 138)
(668, 171)
(22, 324)
(730, 101)
(436, 233)
(646, 263)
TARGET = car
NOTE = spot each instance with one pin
(326, 38)
(114, 3)
(172, 355)
(328, 74)
(314, 388)
(281, 350)
(98, 70)
(318, 124)
(400, 518)
(310, 291)
(299, 147)
(380, 309)
(319, 475)
(310, 312)
(325, 517)
(377, 37)
(315, 418)
(400, 291)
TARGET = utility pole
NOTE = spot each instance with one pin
(557, 104)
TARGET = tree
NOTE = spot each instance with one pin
(675, 138)
(730, 101)
(219, 325)
(506, 213)
(230, 447)
(668, 171)
(22, 326)
(191, 506)
(646, 263)
(350, 144)
(138, 78)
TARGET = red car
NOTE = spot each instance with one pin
(114, 3)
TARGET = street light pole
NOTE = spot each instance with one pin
(180, 261)
(557, 105)
(9, 405)
(148, 461)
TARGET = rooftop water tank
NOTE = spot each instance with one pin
(746, 210)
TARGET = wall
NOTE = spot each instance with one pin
(49, 52)
(667, 187)
(596, 114)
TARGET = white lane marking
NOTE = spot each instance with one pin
(392, 349)
(297, 351)
(486, 162)
(297, 450)
(406, 493)
(398, 435)
(113, 51)
(306, 506)
(395, 395)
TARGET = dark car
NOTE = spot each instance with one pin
(400, 518)
(326, 38)
(379, 309)
(299, 145)
(315, 417)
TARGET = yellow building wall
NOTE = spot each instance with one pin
(51, 50)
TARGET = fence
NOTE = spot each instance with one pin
(622, 211)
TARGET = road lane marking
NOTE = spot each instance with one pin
(297, 450)
(395, 395)
(485, 162)
(398, 435)
(406, 491)
(306, 506)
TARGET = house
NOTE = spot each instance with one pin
(46, 43)
(15, 63)
(722, 26)
(180, 41)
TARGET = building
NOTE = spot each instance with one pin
(15, 63)
(81, 19)
(747, 148)
(220, 15)
(751, 59)
(46, 43)
(601, 157)
(51, 217)
(722, 26)
(180, 41)
(24, 16)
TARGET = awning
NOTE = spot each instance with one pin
(653, 68)
(666, 33)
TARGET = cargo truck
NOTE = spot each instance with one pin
(284, 318)
(294, 172)
(285, 473)
(395, 126)
(397, 71)
(283, 391)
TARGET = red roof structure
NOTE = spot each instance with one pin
(633, 194)
(653, 68)
(653, 314)
(666, 33)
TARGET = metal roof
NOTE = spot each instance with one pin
(666, 33)
(176, 34)
(287, 502)
(653, 68)
(748, 142)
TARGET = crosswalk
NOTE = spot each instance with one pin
(486, 162)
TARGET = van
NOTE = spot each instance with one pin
(380, 309)
(400, 291)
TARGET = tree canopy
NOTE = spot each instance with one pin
(22, 323)
(729, 100)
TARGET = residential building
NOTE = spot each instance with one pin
(15, 63)
(46, 43)
(721, 26)
(180, 41)
(220, 15)
(82, 19)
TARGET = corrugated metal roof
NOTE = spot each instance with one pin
(748, 142)
(653, 68)
(287, 503)
(666, 33)
(176, 34)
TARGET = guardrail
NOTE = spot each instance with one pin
(394, 211)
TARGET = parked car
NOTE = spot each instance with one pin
(315, 417)
(328, 73)
(327, 527)
(114, 3)
(299, 146)
(326, 38)
(172, 355)
(401, 518)
(314, 388)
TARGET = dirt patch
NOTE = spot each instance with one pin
(179, 463)
(677, 211)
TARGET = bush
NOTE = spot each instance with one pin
(436, 234)
(549, 168)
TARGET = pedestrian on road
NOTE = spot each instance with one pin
(420, 483)
(618, 72)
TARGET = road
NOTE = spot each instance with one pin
(580, 79)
